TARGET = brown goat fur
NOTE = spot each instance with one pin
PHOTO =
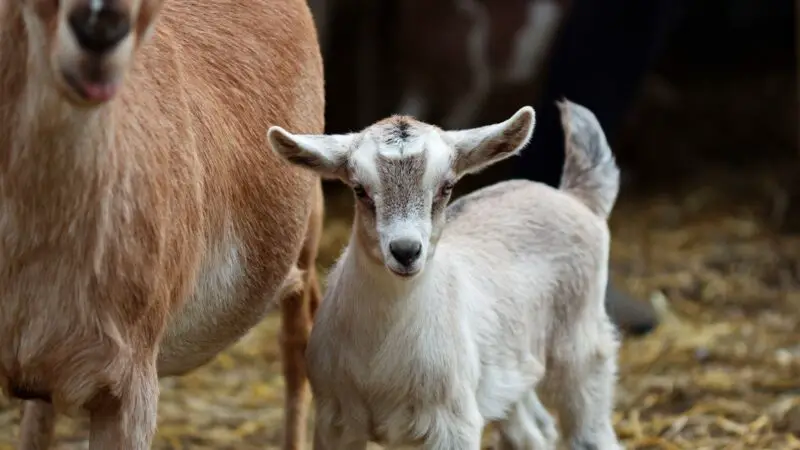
(143, 233)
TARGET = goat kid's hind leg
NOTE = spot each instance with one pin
(529, 426)
(297, 313)
(466, 436)
(127, 420)
(586, 393)
(38, 424)
(461, 431)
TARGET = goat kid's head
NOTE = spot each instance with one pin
(402, 172)
(85, 47)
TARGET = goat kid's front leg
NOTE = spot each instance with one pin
(527, 426)
(329, 436)
(38, 425)
(127, 420)
(325, 441)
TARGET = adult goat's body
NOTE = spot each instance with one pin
(425, 346)
(144, 234)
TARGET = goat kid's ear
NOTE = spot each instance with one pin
(478, 148)
(325, 154)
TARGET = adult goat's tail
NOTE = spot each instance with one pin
(590, 172)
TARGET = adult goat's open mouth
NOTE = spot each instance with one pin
(91, 91)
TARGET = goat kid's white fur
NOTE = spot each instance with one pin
(505, 298)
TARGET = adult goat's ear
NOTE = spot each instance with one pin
(478, 148)
(325, 154)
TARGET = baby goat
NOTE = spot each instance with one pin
(439, 320)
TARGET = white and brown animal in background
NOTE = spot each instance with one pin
(455, 55)
(454, 62)
(144, 223)
(438, 320)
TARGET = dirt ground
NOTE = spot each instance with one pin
(720, 373)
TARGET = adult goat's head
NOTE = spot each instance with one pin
(86, 47)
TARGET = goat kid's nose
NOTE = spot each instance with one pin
(99, 30)
(405, 251)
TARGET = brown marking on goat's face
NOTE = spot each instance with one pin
(87, 74)
(402, 193)
(396, 196)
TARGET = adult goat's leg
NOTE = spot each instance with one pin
(38, 424)
(308, 258)
(126, 420)
(297, 310)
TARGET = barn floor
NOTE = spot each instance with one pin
(721, 372)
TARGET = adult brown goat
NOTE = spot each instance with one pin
(144, 224)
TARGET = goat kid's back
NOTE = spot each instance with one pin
(534, 262)
(558, 239)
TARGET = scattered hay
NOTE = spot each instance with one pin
(720, 373)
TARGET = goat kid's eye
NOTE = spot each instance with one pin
(446, 189)
(361, 193)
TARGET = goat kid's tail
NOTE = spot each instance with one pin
(590, 172)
